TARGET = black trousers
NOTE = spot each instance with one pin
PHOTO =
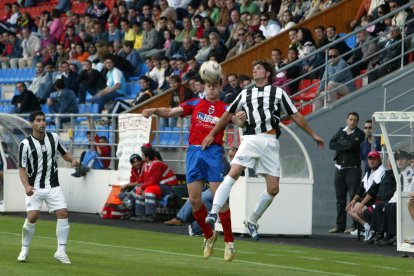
(390, 219)
(377, 221)
(346, 181)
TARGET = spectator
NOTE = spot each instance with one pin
(388, 58)
(241, 44)
(332, 36)
(231, 90)
(127, 33)
(182, 67)
(9, 23)
(187, 50)
(268, 27)
(42, 84)
(131, 55)
(144, 94)
(56, 26)
(90, 80)
(114, 34)
(362, 10)
(293, 72)
(150, 38)
(204, 49)
(367, 145)
(12, 50)
(100, 33)
(346, 142)
(338, 77)
(47, 38)
(244, 81)
(63, 101)
(217, 48)
(388, 214)
(71, 38)
(61, 54)
(26, 101)
(179, 95)
(98, 10)
(310, 61)
(30, 46)
(199, 86)
(372, 177)
(128, 191)
(156, 181)
(69, 77)
(250, 7)
(400, 17)
(363, 56)
(192, 69)
(115, 85)
(165, 65)
(321, 38)
(92, 158)
(303, 35)
(287, 21)
(300, 10)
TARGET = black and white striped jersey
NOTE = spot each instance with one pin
(263, 106)
(39, 159)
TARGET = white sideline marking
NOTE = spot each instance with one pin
(347, 263)
(186, 255)
(384, 267)
(310, 258)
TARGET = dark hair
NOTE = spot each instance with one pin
(267, 66)
(149, 152)
(175, 78)
(24, 85)
(133, 157)
(354, 114)
(145, 78)
(34, 114)
(319, 27)
(128, 44)
(369, 121)
(59, 84)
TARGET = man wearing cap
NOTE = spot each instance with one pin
(346, 142)
(389, 219)
(355, 208)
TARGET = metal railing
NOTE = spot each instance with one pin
(324, 51)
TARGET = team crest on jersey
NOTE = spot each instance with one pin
(211, 109)
(207, 118)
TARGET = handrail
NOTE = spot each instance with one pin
(333, 43)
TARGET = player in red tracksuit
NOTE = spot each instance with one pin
(203, 166)
(155, 181)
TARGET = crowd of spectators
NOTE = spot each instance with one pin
(97, 51)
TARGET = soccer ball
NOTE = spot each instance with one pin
(211, 71)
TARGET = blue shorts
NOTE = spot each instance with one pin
(205, 164)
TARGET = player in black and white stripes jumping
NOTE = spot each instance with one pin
(259, 148)
(39, 175)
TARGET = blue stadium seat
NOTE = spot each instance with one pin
(174, 137)
(350, 41)
(186, 134)
(51, 128)
(79, 135)
(132, 89)
(165, 136)
(82, 110)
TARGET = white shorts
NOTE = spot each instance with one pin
(259, 152)
(54, 198)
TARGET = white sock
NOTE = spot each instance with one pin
(264, 202)
(366, 226)
(27, 235)
(222, 194)
(62, 232)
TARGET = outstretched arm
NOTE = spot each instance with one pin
(221, 124)
(164, 112)
(303, 124)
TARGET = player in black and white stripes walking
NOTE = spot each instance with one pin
(259, 148)
(39, 175)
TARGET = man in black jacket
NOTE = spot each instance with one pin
(346, 142)
(90, 80)
(26, 101)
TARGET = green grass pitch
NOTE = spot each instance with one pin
(102, 250)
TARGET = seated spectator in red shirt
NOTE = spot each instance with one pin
(155, 181)
(92, 158)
